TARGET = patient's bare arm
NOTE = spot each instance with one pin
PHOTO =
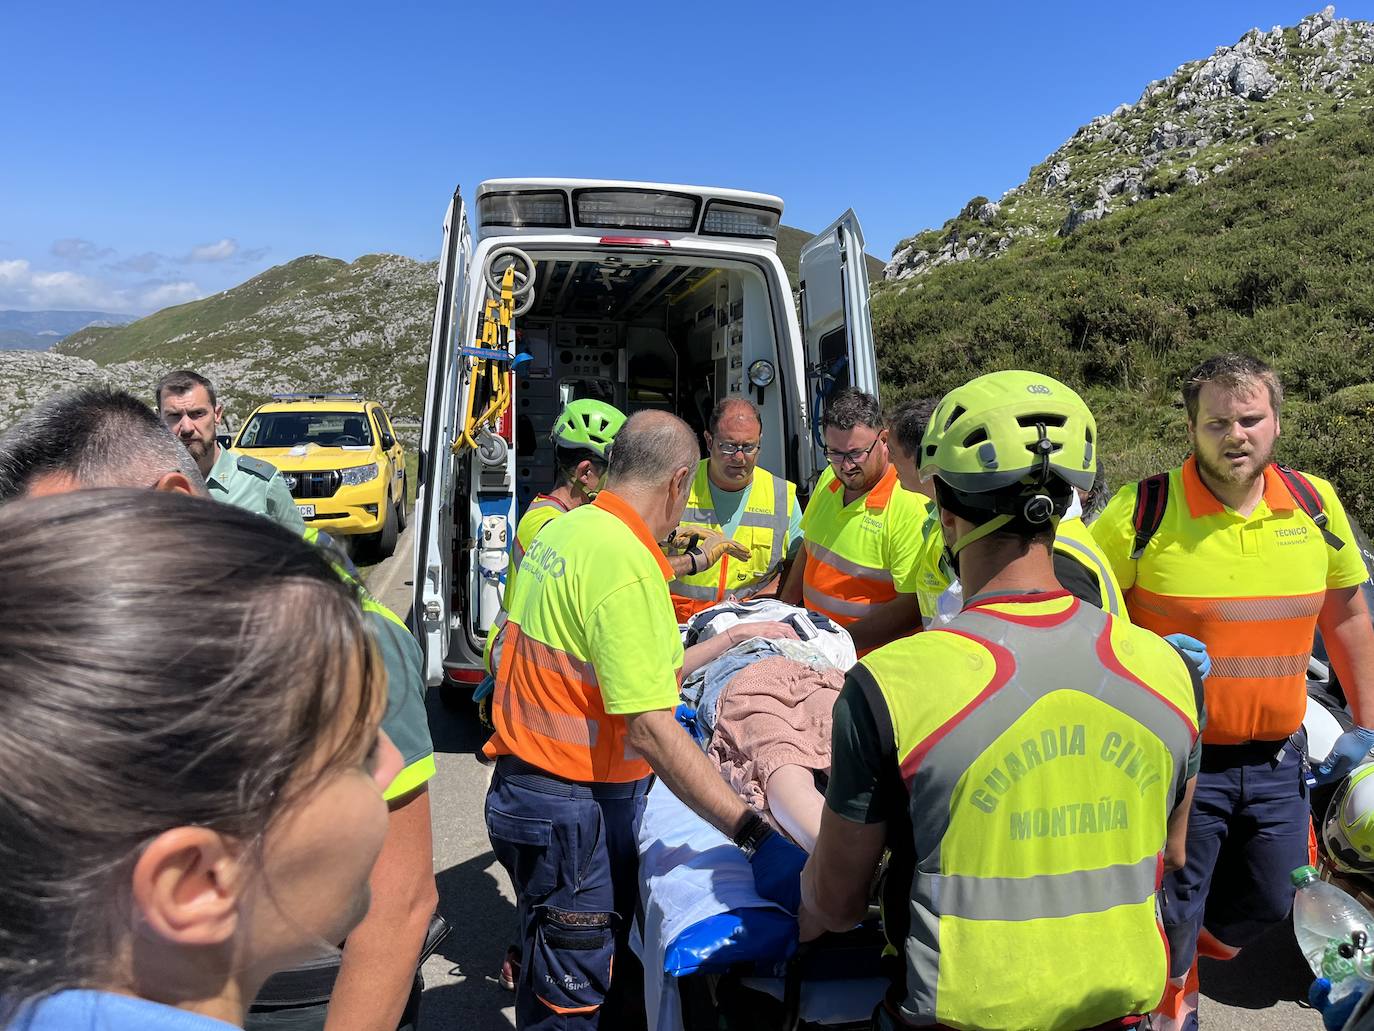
(796, 804)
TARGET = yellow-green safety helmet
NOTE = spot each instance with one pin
(1348, 832)
(1007, 429)
(587, 424)
(1010, 445)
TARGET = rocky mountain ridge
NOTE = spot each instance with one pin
(315, 323)
(1183, 130)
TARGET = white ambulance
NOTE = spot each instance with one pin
(646, 295)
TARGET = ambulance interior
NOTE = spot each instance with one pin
(644, 330)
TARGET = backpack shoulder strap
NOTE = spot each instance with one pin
(1151, 501)
(1309, 501)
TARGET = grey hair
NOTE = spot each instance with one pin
(115, 727)
(909, 423)
(726, 405)
(1098, 496)
(650, 447)
(852, 407)
(183, 381)
(99, 437)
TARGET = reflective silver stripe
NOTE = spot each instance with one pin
(844, 565)
(544, 503)
(697, 592)
(1266, 666)
(1044, 896)
(819, 600)
(705, 516)
(923, 957)
(571, 730)
(1111, 600)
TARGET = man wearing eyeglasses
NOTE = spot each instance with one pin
(861, 561)
(746, 520)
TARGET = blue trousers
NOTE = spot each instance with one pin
(1247, 832)
(571, 854)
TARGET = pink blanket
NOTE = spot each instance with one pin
(775, 712)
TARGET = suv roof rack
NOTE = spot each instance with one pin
(305, 396)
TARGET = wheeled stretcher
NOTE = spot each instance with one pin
(714, 951)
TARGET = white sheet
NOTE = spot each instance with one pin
(688, 871)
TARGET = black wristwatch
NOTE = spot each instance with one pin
(752, 833)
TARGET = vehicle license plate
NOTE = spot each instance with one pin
(307, 511)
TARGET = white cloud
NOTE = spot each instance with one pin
(13, 271)
(21, 286)
(222, 250)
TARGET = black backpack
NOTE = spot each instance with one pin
(1152, 499)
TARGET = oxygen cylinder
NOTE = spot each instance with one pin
(493, 559)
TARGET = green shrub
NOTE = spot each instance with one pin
(1275, 257)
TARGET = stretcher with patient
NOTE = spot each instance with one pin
(713, 949)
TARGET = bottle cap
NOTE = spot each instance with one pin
(1302, 875)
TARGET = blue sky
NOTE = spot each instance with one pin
(154, 153)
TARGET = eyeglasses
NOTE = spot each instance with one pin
(726, 448)
(850, 457)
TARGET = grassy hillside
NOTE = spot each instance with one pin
(315, 323)
(1274, 256)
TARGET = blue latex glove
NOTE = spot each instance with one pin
(1350, 749)
(1333, 1016)
(486, 687)
(777, 867)
(1194, 651)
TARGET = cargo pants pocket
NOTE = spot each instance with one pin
(572, 961)
(521, 845)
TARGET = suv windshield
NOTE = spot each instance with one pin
(287, 429)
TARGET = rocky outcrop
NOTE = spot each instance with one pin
(1182, 130)
(312, 324)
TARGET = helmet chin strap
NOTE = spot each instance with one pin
(1035, 509)
(976, 534)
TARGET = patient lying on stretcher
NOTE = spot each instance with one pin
(765, 708)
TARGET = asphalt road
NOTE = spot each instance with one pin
(1258, 991)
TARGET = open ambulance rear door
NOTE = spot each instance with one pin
(835, 322)
(434, 497)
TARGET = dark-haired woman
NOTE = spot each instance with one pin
(186, 806)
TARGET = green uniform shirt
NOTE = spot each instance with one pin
(255, 485)
(405, 720)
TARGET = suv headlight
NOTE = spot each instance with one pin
(358, 474)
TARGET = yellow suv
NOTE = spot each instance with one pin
(341, 461)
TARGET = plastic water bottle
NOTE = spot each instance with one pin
(1334, 932)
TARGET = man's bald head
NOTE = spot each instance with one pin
(649, 449)
(93, 437)
(734, 407)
